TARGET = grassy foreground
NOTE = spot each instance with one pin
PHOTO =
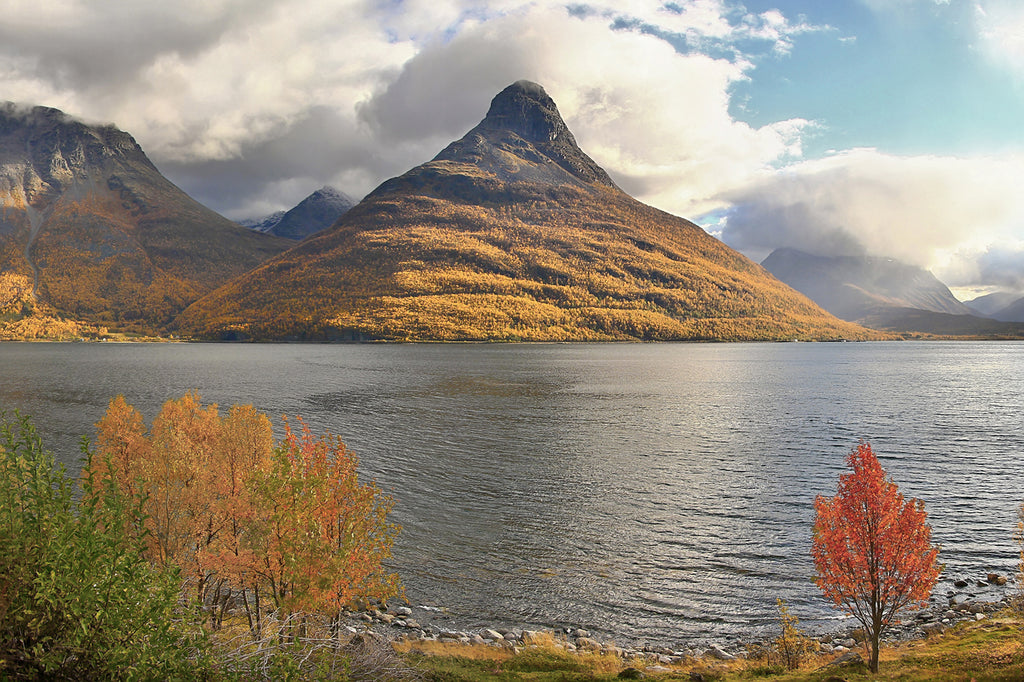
(992, 649)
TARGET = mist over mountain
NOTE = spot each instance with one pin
(510, 233)
(1014, 312)
(881, 293)
(263, 223)
(102, 235)
(850, 287)
(1001, 305)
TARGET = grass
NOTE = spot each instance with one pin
(986, 651)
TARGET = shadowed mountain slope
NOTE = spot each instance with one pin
(102, 235)
(1011, 313)
(317, 212)
(1001, 305)
(510, 233)
(850, 287)
(882, 293)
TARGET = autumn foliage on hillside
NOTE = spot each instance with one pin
(496, 260)
(872, 549)
(22, 319)
(287, 527)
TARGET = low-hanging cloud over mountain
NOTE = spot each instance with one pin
(955, 216)
(240, 102)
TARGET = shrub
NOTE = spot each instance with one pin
(77, 600)
(791, 646)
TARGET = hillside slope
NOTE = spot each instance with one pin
(102, 235)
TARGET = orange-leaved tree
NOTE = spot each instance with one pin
(872, 549)
(231, 511)
(193, 470)
(322, 536)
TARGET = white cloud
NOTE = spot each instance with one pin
(1000, 28)
(219, 86)
(656, 119)
(942, 213)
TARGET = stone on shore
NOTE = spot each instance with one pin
(720, 654)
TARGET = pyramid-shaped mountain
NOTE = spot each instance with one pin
(510, 233)
(101, 234)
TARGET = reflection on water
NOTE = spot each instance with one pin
(646, 492)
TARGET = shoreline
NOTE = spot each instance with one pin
(398, 624)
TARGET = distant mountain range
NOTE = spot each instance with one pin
(264, 223)
(1001, 305)
(315, 213)
(511, 232)
(100, 233)
(883, 293)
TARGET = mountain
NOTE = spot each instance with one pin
(850, 287)
(317, 212)
(102, 235)
(1001, 305)
(263, 224)
(510, 233)
(1014, 312)
(989, 304)
(882, 293)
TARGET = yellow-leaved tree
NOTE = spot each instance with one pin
(238, 515)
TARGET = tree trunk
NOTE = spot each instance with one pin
(875, 635)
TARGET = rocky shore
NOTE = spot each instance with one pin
(969, 600)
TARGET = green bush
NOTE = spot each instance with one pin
(77, 600)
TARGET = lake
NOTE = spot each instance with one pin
(658, 493)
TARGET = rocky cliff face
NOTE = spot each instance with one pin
(523, 125)
(103, 235)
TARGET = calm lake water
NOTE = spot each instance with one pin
(659, 493)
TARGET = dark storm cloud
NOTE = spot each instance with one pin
(76, 49)
(314, 150)
(759, 227)
(445, 90)
(1002, 267)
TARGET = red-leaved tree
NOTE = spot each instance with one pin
(872, 549)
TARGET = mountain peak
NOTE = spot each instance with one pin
(526, 109)
(316, 212)
(523, 138)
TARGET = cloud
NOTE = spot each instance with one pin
(943, 213)
(203, 82)
(1000, 29)
(1002, 267)
(655, 118)
(239, 86)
